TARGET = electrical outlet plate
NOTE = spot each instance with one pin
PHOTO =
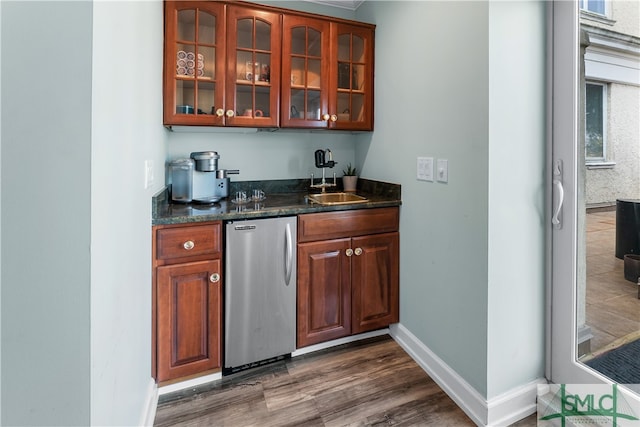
(442, 168)
(425, 169)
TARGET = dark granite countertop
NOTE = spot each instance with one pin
(283, 198)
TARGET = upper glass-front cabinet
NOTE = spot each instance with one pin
(351, 97)
(213, 78)
(305, 76)
(228, 64)
(253, 67)
(194, 50)
(327, 75)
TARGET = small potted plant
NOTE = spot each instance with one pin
(350, 178)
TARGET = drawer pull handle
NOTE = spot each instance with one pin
(358, 251)
(188, 245)
(214, 278)
(349, 252)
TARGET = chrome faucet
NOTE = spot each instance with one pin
(322, 163)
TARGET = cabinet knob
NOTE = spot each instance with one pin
(349, 252)
(188, 245)
(358, 251)
(326, 117)
(334, 118)
(214, 278)
(219, 112)
(230, 113)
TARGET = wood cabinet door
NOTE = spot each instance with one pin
(375, 281)
(351, 95)
(194, 59)
(324, 291)
(305, 72)
(188, 315)
(253, 67)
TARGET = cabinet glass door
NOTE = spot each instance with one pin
(352, 98)
(254, 65)
(305, 55)
(196, 83)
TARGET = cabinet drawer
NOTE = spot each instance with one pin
(183, 242)
(331, 225)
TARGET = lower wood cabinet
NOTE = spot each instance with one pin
(349, 283)
(187, 295)
(189, 308)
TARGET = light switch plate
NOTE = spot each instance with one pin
(442, 170)
(148, 174)
(425, 169)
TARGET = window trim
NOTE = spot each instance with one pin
(584, 7)
(605, 121)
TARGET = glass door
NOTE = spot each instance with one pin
(352, 92)
(253, 83)
(305, 77)
(568, 231)
(193, 78)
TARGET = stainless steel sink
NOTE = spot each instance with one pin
(336, 198)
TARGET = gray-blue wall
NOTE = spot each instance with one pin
(46, 203)
(464, 81)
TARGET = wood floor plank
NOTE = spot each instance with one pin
(368, 383)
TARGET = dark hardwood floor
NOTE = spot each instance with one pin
(373, 382)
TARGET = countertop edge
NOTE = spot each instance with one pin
(380, 195)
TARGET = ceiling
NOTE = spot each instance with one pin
(345, 4)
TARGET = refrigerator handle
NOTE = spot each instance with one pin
(288, 261)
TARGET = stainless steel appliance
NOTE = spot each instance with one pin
(181, 180)
(210, 184)
(260, 290)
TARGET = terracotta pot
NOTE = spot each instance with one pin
(349, 182)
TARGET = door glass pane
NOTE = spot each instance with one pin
(245, 33)
(263, 67)
(206, 98)
(313, 73)
(245, 67)
(314, 44)
(185, 59)
(206, 28)
(608, 233)
(357, 55)
(185, 96)
(313, 105)
(357, 107)
(263, 35)
(357, 78)
(344, 47)
(244, 100)
(298, 40)
(263, 96)
(344, 106)
(187, 25)
(297, 72)
(206, 62)
(297, 104)
(344, 75)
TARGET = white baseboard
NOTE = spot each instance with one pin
(500, 411)
(194, 382)
(151, 404)
(339, 341)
